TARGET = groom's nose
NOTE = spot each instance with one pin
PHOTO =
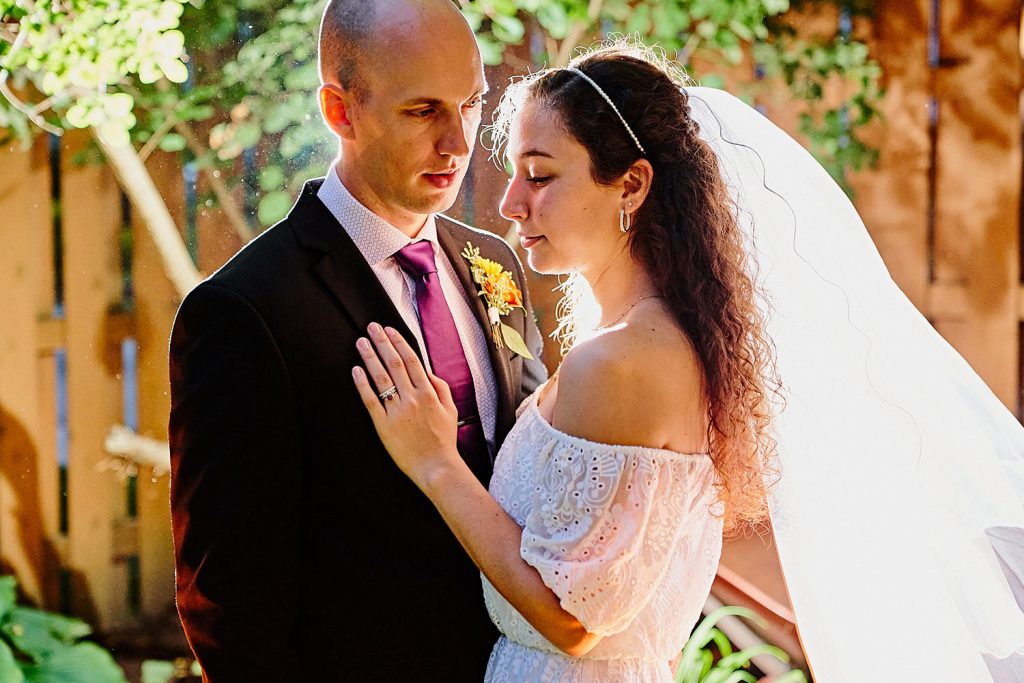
(454, 139)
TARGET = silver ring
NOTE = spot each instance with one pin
(388, 394)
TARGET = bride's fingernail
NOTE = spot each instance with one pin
(363, 344)
(357, 372)
(375, 328)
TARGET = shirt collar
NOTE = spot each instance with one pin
(375, 238)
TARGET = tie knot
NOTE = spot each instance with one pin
(417, 258)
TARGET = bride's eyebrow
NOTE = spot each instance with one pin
(535, 153)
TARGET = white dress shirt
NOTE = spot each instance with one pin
(378, 241)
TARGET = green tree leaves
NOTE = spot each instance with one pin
(715, 32)
(41, 647)
(76, 52)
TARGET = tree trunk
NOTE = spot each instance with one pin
(141, 190)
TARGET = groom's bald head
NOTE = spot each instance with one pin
(403, 86)
(352, 29)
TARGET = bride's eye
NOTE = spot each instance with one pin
(538, 180)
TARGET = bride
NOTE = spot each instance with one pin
(709, 256)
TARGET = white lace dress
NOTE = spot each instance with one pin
(627, 538)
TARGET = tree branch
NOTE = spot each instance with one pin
(138, 185)
(572, 39)
(28, 111)
(122, 442)
(227, 202)
(5, 90)
(551, 46)
(158, 135)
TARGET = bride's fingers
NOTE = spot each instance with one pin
(374, 368)
(390, 359)
(444, 392)
(417, 373)
(368, 395)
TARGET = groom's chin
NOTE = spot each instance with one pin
(436, 200)
(431, 204)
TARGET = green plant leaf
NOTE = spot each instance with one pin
(740, 660)
(721, 642)
(702, 635)
(81, 663)
(8, 594)
(172, 142)
(741, 677)
(38, 634)
(554, 19)
(271, 178)
(515, 342)
(507, 29)
(306, 77)
(10, 672)
(274, 206)
(247, 135)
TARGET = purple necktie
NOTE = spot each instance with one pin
(447, 359)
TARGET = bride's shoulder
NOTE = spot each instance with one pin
(626, 386)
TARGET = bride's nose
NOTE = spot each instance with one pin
(513, 204)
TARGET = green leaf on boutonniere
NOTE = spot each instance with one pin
(514, 341)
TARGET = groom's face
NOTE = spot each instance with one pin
(415, 128)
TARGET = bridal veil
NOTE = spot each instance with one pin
(899, 509)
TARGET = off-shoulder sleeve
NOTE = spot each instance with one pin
(606, 522)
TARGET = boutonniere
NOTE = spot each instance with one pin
(501, 295)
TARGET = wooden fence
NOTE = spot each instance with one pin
(85, 309)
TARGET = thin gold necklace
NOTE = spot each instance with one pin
(649, 296)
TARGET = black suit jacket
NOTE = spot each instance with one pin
(303, 553)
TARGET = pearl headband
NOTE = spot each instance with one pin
(611, 104)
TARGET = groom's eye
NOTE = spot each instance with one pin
(422, 113)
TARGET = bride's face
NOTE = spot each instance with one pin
(565, 220)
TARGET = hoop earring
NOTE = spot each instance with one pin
(625, 220)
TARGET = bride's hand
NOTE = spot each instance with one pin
(417, 424)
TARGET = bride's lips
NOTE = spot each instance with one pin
(527, 241)
(442, 180)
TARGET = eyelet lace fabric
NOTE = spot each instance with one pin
(626, 536)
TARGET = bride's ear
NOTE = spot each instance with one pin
(636, 182)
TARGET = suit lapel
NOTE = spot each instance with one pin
(359, 294)
(342, 268)
(452, 239)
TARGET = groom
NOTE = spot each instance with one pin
(303, 553)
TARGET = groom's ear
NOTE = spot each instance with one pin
(334, 107)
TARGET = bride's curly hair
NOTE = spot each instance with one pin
(687, 237)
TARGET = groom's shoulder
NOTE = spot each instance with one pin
(277, 255)
(263, 261)
(491, 246)
(252, 278)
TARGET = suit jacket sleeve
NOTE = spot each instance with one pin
(235, 489)
(534, 371)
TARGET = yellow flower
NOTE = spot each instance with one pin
(490, 268)
(500, 292)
